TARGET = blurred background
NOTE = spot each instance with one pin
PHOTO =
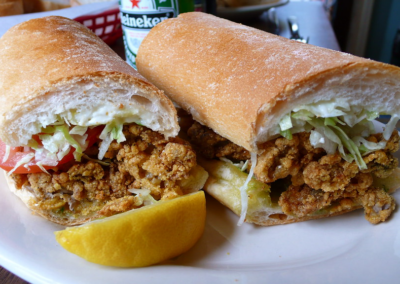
(367, 28)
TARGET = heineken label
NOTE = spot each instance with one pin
(138, 17)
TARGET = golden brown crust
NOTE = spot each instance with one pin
(46, 54)
(233, 78)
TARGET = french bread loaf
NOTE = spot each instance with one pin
(250, 79)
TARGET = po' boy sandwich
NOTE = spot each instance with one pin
(285, 129)
(83, 135)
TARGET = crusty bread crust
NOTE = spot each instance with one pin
(241, 81)
(54, 64)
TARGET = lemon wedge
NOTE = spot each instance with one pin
(139, 237)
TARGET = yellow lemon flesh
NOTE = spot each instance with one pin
(140, 237)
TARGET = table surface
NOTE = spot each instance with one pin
(313, 23)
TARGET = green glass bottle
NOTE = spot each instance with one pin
(186, 6)
(139, 16)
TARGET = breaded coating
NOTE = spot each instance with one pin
(41, 184)
(118, 205)
(303, 200)
(172, 163)
(332, 182)
(210, 145)
(319, 180)
(57, 201)
(146, 160)
(378, 205)
(20, 180)
(330, 173)
(89, 170)
(380, 163)
(282, 158)
(279, 160)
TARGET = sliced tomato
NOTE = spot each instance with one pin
(18, 153)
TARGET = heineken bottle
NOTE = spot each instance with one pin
(139, 16)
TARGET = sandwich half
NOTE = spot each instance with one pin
(285, 129)
(83, 135)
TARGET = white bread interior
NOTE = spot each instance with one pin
(53, 65)
(241, 81)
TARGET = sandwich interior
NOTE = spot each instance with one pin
(301, 173)
(139, 171)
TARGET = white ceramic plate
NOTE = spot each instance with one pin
(342, 249)
(247, 12)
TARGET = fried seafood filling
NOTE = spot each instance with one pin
(319, 181)
(146, 160)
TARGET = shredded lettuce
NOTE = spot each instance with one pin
(115, 130)
(48, 130)
(33, 144)
(45, 157)
(286, 123)
(390, 127)
(241, 165)
(243, 190)
(244, 167)
(60, 143)
(105, 144)
(57, 138)
(112, 131)
(143, 196)
(334, 108)
(40, 165)
(303, 114)
(366, 146)
(7, 154)
(351, 147)
(79, 130)
(336, 125)
(25, 160)
(287, 134)
(72, 142)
